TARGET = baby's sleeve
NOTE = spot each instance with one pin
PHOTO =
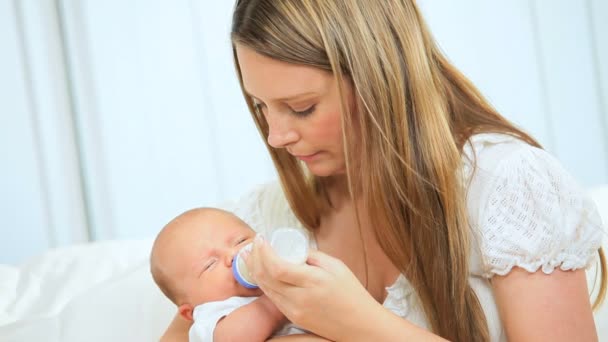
(532, 214)
(206, 316)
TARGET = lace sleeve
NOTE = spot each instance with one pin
(534, 215)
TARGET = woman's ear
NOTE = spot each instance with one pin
(185, 310)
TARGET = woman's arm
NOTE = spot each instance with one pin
(255, 321)
(545, 307)
(177, 330)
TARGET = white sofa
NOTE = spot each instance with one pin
(104, 292)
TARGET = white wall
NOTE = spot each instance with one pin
(117, 115)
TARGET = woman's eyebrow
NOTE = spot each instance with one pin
(285, 98)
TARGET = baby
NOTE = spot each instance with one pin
(191, 263)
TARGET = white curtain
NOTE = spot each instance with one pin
(117, 115)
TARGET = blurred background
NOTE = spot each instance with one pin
(117, 115)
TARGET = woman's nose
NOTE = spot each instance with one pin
(281, 132)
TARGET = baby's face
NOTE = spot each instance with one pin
(204, 256)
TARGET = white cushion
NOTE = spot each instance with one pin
(96, 292)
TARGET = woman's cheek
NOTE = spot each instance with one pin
(329, 130)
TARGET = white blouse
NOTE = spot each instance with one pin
(525, 210)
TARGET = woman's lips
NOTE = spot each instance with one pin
(308, 158)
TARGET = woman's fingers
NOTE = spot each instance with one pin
(326, 262)
(278, 269)
(298, 290)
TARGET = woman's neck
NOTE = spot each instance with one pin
(338, 191)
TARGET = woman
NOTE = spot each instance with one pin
(418, 194)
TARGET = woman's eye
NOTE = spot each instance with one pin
(259, 108)
(306, 112)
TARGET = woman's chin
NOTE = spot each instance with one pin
(325, 170)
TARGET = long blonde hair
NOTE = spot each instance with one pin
(414, 113)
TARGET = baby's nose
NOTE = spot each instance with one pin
(229, 258)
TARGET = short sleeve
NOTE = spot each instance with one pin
(206, 316)
(533, 214)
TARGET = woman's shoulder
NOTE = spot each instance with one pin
(491, 159)
(486, 158)
(486, 150)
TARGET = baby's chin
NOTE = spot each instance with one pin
(242, 291)
(245, 292)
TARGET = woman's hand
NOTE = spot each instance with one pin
(322, 296)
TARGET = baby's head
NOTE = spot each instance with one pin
(192, 257)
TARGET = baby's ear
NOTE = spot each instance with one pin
(185, 310)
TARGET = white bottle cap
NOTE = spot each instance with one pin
(290, 244)
(240, 271)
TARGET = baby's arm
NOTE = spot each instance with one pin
(255, 321)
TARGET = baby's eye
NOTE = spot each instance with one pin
(241, 240)
(209, 264)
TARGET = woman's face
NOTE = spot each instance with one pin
(301, 105)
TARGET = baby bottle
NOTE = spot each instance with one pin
(290, 244)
